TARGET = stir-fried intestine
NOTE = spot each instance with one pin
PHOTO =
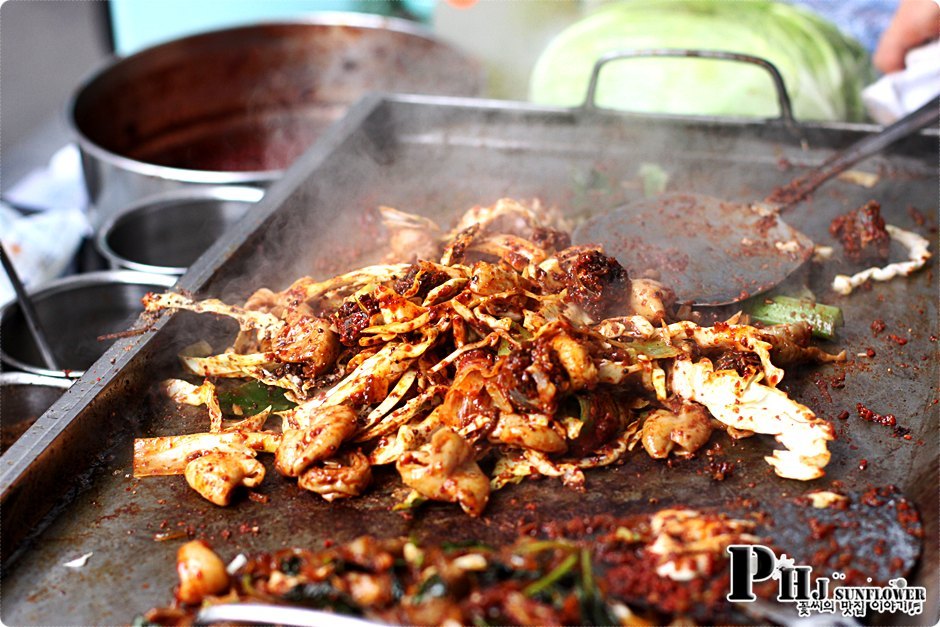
(514, 351)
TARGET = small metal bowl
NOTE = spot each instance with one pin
(24, 398)
(74, 312)
(165, 234)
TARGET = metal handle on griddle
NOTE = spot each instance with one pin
(783, 97)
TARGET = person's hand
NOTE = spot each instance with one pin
(915, 22)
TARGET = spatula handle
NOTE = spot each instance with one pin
(26, 307)
(807, 183)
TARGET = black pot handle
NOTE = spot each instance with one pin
(783, 98)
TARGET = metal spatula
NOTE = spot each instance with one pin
(716, 252)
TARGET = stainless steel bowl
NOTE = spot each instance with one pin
(165, 234)
(23, 398)
(75, 312)
(237, 106)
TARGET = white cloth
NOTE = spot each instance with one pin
(42, 245)
(896, 94)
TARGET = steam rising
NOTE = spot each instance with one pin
(439, 158)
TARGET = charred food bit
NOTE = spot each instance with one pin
(862, 234)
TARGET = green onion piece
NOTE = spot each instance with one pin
(557, 573)
(584, 404)
(248, 586)
(519, 332)
(413, 500)
(654, 349)
(432, 588)
(474, 545)
(594, 610)
(544, 545)
(252, 397)
(587, 573)
(627, 535)
(824, 319)
(654, 179)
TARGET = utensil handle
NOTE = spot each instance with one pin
(805, 184)
(264, 614)
(783, 97)
(26, 306)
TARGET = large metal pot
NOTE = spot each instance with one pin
(75, 312)
(237, 106)
(23, 398)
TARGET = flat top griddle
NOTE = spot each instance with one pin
(67, 486)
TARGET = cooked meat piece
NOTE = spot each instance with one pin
(597, 283)
(576, 360)
(266, 301)
(742, 362)
(309, 340)
(339, 477)
(368, 589)
(651, 299)
(457, 248)
(664, 430)
(467, 405)
(444, 470)
(511, 377)
(353, 316)
(488, 279)
(862, 234)
(550, 239)
(216, 475)
(528, 431)
(410, 236)
(790, 345)
(420, 279)
(530, 381)
(328, 428)
(201, 572)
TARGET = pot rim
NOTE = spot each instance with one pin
(77, 281)
(28, 378)
(219, 177)
(234, 193)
